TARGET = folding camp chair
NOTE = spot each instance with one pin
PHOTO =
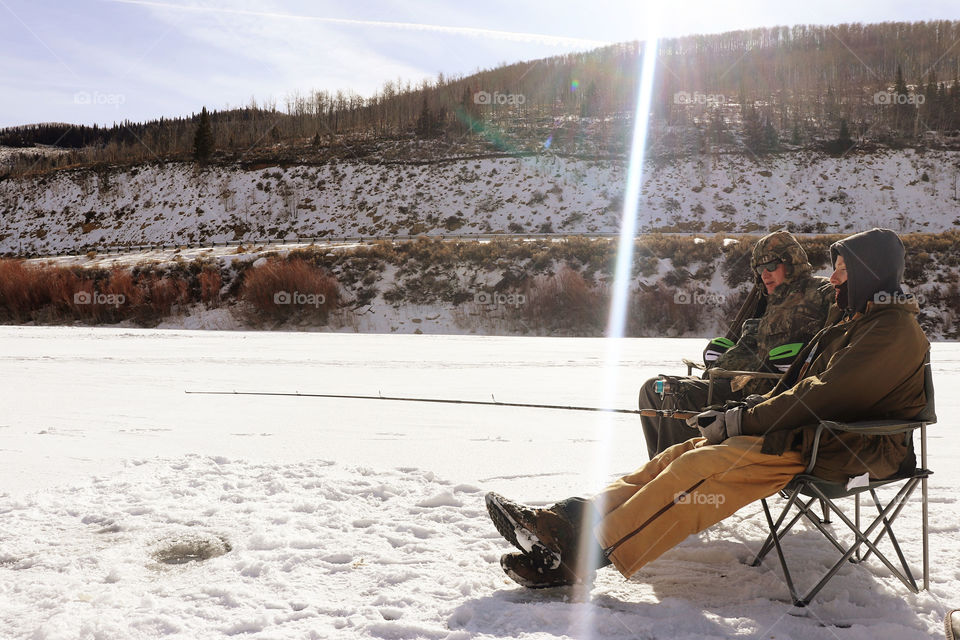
(814, 488)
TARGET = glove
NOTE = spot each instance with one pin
(750, 328)
(753, 400)
(717, 426)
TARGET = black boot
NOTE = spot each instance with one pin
(951, 623)
(522, 569)
(549, 536)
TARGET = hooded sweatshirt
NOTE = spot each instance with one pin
(868, 367)
(874, 262)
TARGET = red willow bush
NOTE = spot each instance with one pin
(48, 294)
(281, 289)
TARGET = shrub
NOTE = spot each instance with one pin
(282, 289)
(654, 311)
(210, 283)
(158, 295)
(565, 300)
(24, 290)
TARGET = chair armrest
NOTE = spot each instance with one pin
(691, 365)
(714, 373)
(727, 373)
(862, 427)
(872, 427)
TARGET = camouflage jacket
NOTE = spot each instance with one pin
(795, 312)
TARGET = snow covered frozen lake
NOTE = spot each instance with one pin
(365, 519)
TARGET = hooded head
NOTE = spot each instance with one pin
(781, 246)
(874, 262)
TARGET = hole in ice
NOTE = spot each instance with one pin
(191, 548)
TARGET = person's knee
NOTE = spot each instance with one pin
(649, 398)
(697, 460)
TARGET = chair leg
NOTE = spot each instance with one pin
(888, 530)
(783, 562)
(863, 537)
(923, 491)
(926, 539)
(856, 513)
(776, 530)
(826, 512)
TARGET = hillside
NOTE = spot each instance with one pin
(758, 90)
(181, 204)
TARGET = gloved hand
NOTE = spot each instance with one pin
(753, 400)
(717, 426)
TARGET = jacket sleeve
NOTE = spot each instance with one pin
(744, 355)
(879, 357)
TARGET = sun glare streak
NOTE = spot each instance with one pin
(620, 295)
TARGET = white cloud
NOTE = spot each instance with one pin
(513, 36)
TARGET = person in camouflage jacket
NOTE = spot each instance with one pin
(796, 308)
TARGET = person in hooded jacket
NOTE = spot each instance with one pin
(868, 365)
(795, 307)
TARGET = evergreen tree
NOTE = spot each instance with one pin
(426, 125)
(753, 135)
(902, 110)
(717, 126)
(844, 142)
(953, 105)
(771, 139)
(203, 139)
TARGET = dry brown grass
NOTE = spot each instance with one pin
(24, 289)
(565, 300)
(282, 289)
(210, 283)
(56, 294)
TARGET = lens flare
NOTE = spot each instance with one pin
(616, 323)
(574, 85)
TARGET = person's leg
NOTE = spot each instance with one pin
(650, 399)
(686, 489)
(662, 433)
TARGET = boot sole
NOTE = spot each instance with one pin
(518, 535)
(526, 582)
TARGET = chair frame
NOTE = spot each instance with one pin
(815, 488)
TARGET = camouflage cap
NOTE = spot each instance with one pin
(781, 245)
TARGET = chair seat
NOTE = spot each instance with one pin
(835, 490)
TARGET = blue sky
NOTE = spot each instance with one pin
(104, 61)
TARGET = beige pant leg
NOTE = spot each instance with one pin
(686, 489)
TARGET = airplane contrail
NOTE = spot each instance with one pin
(513, 36)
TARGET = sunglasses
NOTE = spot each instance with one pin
(770, 265)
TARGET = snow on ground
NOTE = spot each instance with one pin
(179, 203)
(365, 519)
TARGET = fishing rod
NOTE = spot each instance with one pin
(665, 413)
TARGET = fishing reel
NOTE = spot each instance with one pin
(666, 386)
